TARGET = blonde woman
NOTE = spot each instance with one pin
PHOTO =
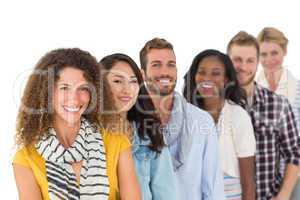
(274, 76)
(277, 78)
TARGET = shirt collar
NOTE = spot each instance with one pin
(176, 131)
(258, 97)
(137, 141)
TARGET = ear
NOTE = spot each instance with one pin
(285, 51)
(143, 74)
(225, 81)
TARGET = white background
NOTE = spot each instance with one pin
(28, 29)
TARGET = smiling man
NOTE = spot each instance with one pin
(188, 131)
(273, 121)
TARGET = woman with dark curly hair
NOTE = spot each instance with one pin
(61, 153)
(211, 84)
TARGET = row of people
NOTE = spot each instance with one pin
(114, 131)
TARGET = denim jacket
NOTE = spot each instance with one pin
(155, 171)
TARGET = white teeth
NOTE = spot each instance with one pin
(164, 81)
(207, 85)
(69, 109)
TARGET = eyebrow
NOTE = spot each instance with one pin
(69, 85)
(121, 76)
(158, 61)
(218, 67)
(155, 61)
(64, 84)
(215, 67)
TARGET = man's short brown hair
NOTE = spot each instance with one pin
(155, 43)
(243, 38)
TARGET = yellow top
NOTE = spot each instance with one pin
(114, 144)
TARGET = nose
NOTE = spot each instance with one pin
(268, 60)
(73, 97)
(206, 77)
(126, 87)
(164, 71)
(241, 66)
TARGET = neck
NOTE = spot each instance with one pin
(249, 89)
(123, 115)
(125, 125)
(273, 77)
(214, 106)
(66, 133)
(164, 105)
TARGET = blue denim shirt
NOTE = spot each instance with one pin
(154, 171)
(190, 135)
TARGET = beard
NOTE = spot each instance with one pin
(158, 90)
(248, 81)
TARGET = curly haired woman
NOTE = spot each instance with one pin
(61, 153)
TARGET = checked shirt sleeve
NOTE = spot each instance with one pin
(289, 137)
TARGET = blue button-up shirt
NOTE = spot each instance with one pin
(190, 135)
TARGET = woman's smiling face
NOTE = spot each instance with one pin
(210, 77)
(123, 85)
(71, 95)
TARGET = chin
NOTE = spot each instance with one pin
(72, 120)
(166, 91)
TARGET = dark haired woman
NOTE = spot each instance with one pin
(212, 85)
(62, 155)
(139, 122)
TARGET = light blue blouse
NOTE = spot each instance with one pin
(154, 170)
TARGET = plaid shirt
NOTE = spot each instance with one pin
(276, 138)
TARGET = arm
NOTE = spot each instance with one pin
(26, 183)
(128, 183)
(289, 181)
(290, 148)
(162, 176)
(245, 147)
(246, 166)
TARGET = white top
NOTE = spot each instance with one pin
(287, 85)
(236, 137)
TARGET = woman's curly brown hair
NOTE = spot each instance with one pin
(36, 111)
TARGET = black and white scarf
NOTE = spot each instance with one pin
(88, 148)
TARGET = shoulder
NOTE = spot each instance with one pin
(115, 140)
(269, 96)
(111, 135)
(289, 75)
(200, 124)
(238, 118)
(237, 112)
(197, 114)
(199, 119)
(25, 155)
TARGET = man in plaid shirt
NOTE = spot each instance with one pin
(273, 121)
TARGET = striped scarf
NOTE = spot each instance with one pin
(88, 148)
